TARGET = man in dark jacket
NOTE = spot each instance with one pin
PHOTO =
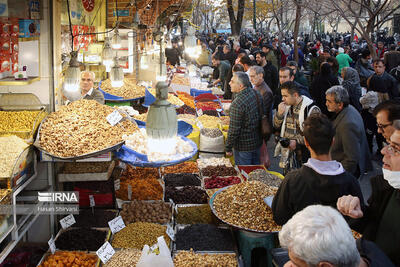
(350, 147)
(271, 76)
(223, 68)
(173, 54)
(319, 181)
(388, 84)
(298, 74)
(229, 54)
(364, 67)
(392, 58)
(379, 221)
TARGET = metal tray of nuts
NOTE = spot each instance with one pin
(226, 227)
(48, 253)
(178, 206)
(171, 222)
(211, 202)
(83, 156)
(211, 252)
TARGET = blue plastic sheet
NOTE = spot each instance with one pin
(115, 98)
(148, 98)
(140, 160)
(196, 92)
(184, 128)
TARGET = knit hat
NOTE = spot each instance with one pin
(341, 50)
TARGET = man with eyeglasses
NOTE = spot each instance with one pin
(87, 90)
(379, 221)
(385, 113)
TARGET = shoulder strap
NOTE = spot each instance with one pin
(258, 103)
(308, 110)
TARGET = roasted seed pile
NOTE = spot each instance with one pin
(143, 211)
(18, 121)
(265, 177)
(195, 214)
(185, 195)
(81, 128)
(204, 237)
(124, 258)
(138, 234)
(129, 90)
(192, 259)
(242, 205)
(212, 133)
(182, 179)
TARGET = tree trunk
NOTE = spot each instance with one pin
(236, 22)
(296, 31)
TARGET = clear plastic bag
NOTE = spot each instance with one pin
(158, 255)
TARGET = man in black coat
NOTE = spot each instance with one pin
(271, 76)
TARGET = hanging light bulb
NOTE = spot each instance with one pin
(116, 74)
(71, 85)
(143, 61)
(107, 55)
(116, 40)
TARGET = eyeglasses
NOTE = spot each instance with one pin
(383, 126)
(392, 151)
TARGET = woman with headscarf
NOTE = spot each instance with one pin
(351, 81)
(322, 82)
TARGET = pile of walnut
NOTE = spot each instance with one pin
(81, 128)
(243, 205)
(129, 90)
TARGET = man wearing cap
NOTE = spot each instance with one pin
(269, 54)
(343, 59)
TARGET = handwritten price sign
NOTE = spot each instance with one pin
(116, 224)
(67, 221)
(105, 252)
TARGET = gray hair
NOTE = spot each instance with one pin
(396, 125)
(91, 73)
(228, 46)
(243, 78)
(340, 93)
(314, 233)
(257, 69)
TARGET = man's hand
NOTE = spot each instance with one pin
(281, 108)
(292, 145)
(350, 206)
(229, 154)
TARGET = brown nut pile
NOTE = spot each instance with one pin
(184, 167)
(243, 205)
(191, 259)
(144, 211)
(124, 258)
(138, 234)
(195, 214)
(81, 128)
(220, 170)
(129, 90)
(86, 167)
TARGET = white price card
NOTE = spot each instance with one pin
(91, 200)
(114, 117)
(116, 224)
(268, 200)
(170, 232)
(52, 245)
(105, 252)
(200, 125)
(245, 174)
(67, 221)
(117, 184)
(199, 112)
(219, 110)
(129, 192)
(122, 165)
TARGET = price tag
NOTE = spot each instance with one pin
(52, 245)
(129, 192)
(170, 232)
(199, 112)
(122, 165)
(200, 125)
(67, 221)
(116, 224)
(268, 200)
(105, 252)
(117, 184)
(91, 200)
(219, 110)
(114, 117)
(245, 174)
(154, 249)
(120, 202)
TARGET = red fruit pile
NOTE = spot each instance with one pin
(220, 182)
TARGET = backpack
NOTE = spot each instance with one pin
(395, 72)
